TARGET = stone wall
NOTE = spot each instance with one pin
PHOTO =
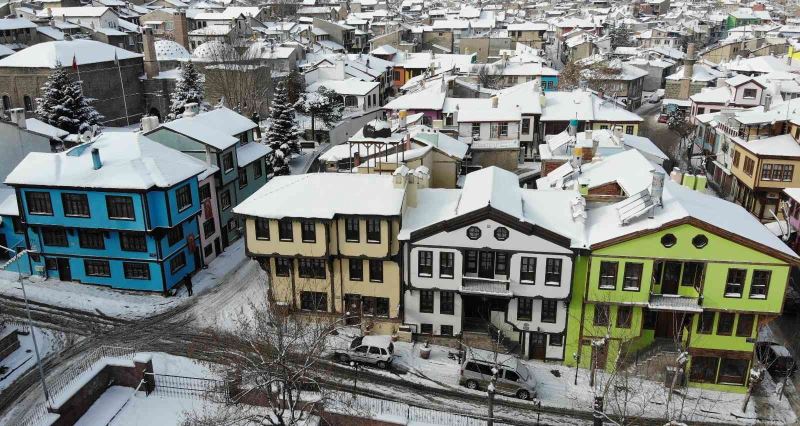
(9, 344)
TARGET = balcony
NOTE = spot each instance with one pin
(674, 303)
(485, 287)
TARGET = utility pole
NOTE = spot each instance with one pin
(490, 390)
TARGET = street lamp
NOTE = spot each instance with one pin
(15, 258)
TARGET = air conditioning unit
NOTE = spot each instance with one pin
(39, 269)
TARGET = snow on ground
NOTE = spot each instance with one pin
(24, 358)
(301, 163)
(122, 406)
(120, 303)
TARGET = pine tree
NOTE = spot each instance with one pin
(283, 134)
(64, 106)
(188, 89)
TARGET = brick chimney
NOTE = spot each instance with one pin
(149, 46)
(688, 62)
(180, 29)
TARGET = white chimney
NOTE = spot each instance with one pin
(618, 133)
(767, 102)
(18, 117)
(191, 109)
(149, 123)
(494, 101)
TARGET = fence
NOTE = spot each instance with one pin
(186, 387)
(361, 405)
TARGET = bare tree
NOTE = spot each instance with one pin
(242, 84)
(489, 75)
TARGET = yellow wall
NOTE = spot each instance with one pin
(296, 247)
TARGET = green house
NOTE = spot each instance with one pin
(697, 273)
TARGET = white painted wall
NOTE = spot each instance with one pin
(414, 317)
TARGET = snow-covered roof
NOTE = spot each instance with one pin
(324, 196)
(775, 146)
(74, 12)
(351, 86)
(8, 202)
(213, 51)
(430, 97)
(486, 112)
(583, 105)
(15, 24)
(54, 54)
(42, 128)
(168, 50)
(129, 161)
(250, 153)
(440, 141)
(265, 50)
(216, 127)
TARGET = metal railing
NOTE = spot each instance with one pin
(59, 384)
(167, 385)
(360, 405)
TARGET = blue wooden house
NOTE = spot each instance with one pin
(12, 234)
(120, 211)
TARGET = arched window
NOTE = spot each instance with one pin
(28, 103)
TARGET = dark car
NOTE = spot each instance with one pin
(776, 358)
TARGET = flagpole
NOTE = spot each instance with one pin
(124, 101)
(78, 70)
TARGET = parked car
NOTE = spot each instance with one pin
(657, 96)
(513, 377)
(777, 358)
(375, 350)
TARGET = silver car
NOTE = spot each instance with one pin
(376, 350)
(513, 377)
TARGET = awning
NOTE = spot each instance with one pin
(674, 303)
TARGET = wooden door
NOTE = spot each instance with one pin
(64, 272)
(665, 325)
(599, 355)
(538, 345)
(671, 278)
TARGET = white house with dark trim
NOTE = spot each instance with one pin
(491, 256)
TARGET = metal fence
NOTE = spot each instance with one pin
(185, 387)
(361, 405)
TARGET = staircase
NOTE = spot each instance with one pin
(487, 340)
(652, 361)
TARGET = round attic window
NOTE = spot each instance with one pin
(668, 240)
(700, 241)
(501, 233)
(473, 232)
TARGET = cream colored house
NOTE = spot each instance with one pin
(328, 242)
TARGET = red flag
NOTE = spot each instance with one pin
(74, 63)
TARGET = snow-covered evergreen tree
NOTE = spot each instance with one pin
(64, 106)
(283, 133)
(188, 89)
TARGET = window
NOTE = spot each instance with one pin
(725, 324)
(527, 270)
(628, 130)
(91, 239)
(175, 235)
(735, 282)
(749, 165)
(552, 273)
(120, 207)
(425, 263)
(177, 262)
(736, 157)
(205, 191)
(760, 284)
(97, 268)
(524, 309)
(668, 240)
(356, 267)
(705, 324)
(426, 328)
(308, 231)
(55, 237)
(258, 171)
(184, 196)
(556, 339)
(447, 302)
(227, 162)
(262, 228)
(777, 172)
(704, 369)
(375, 306)
(446, 330)
(632, 279)
(649, 320)
(133, 241)
(473, 232)
(351, 231)
(136, 271)
(28, 103)
(376, 271)
(471, 263)
(39, 203)
(744, 327)
(373, 231)
(692, 274)
(526, 126)
(549, 310)
(501, 233)
(601, 314)
(314, 301)
(749, 93)
(608, 275)
(446, 264)
(501, 263)
(426, 301)
(225, 199)
(476, 130)
(75, 205)
(285, 230)
(232, 224)
(312, 268)
(624, 315)
(283, 266)
(733, 371)
(242, 177)
(700, 241)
